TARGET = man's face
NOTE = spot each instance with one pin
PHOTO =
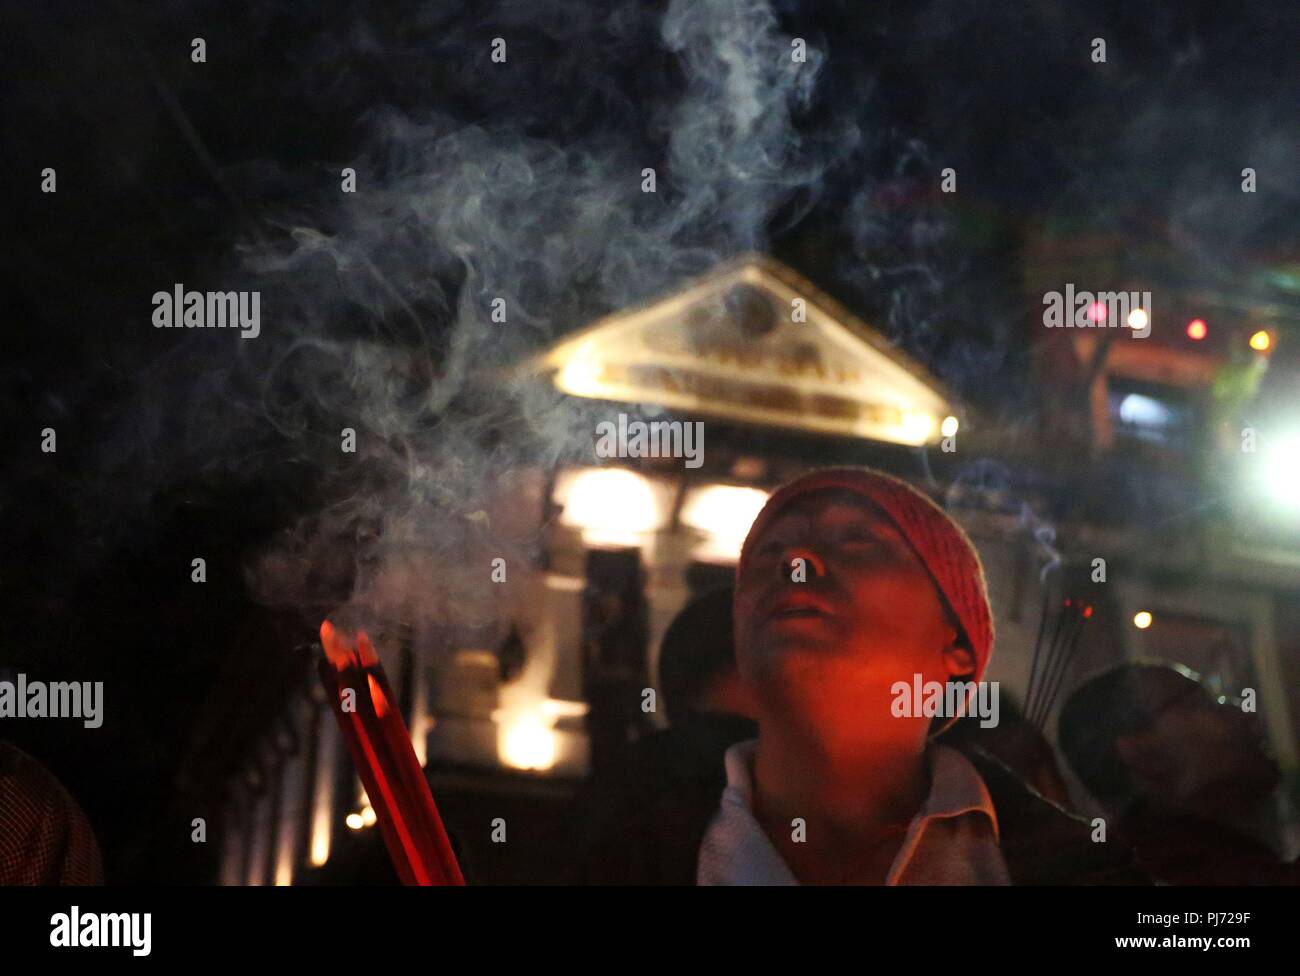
(868, 614)
(1195, 748)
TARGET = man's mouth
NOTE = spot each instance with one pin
(797, 606)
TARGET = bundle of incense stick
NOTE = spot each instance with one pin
(1056, 655)
(381, 750)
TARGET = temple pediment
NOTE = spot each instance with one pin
(754, 342)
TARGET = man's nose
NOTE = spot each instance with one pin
(813, 563)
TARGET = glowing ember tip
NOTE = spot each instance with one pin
(344, 653)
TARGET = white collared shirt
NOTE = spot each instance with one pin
(953, 839)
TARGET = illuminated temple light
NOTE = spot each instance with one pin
(580, 376)
(948, 427)
(562, 708)
(322, 814)
(612, 506)
(354, 821)
(917, 428)
(368, 816)
(526, 736)
(1261, 341)
(1142, 619)
(1138, 318)
(1197, 329)
(723, 513)
(320, 842)
(526, 740)
(292, 807)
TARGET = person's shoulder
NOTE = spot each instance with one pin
(1186, 850)
(1045, 844)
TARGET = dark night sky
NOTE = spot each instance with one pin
(479, 178)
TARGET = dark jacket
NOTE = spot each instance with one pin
(1191, 851)
(656, 839)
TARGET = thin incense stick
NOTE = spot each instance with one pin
(1069, 612)
(1049, 660)
(1071, 650)
(1038, 647)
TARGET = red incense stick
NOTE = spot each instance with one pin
(381, 750)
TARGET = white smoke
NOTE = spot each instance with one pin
(393, 290)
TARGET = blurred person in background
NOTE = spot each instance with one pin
(1185, 774)
(708, 708)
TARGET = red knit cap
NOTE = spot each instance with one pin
(942, 546)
